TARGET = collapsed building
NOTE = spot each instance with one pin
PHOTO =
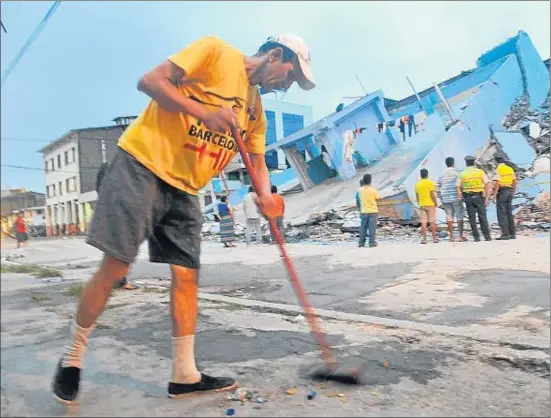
(474, 113)
(501, 104)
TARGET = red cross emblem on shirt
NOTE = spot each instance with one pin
(221, 158)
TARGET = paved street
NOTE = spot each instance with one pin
(440, 330)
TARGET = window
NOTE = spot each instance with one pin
(46, 166)
(48, 191)
(73, 154)
(52, 164)
(70, 184)
(271, 137)
(52, 189)
(60, 186)
(66, 157)
(59, 161)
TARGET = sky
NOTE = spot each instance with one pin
(83, 69)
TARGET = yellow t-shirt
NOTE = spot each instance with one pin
(177, 147)
(424, 188)
(368, 199)
(505, 175)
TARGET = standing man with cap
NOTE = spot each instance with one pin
(473, 188)
(505, 185)
(165, 157)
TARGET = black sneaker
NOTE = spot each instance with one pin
(207, 384)
(477, 240)
(66, 384)
(373, 245)
(503, 238)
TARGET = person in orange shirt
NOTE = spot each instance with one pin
(279, 213)
(164, 158)
(21, 231)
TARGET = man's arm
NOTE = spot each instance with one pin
(433, 196)
(459, 191)
(486, 188)
(496, 188)
(186, 67)
(439, 186)
(161, 85)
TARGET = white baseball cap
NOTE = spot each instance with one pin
(296, 44)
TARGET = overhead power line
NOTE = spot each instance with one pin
(51, 141)
(22, 167)
(30, 41)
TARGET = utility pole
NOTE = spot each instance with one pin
(104, 148)
(416, 95)
(445, 103)
(225, 183)
(361, 85)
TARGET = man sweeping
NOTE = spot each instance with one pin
(169, 153)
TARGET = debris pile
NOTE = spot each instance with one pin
(534, 213)
(344, 226)
(533, 124)
(331, 226)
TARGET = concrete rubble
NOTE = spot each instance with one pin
(533, 124)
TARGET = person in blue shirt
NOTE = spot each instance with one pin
(225, 211)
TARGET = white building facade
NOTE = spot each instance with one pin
(62, 180)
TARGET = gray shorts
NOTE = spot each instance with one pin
(454, 210)
(134, 205)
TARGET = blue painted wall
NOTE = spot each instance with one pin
(291, 124)
(474, 79)
(535, 71)
(488, 106)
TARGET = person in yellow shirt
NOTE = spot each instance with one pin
(425, 190)
(473, 187)
(369, 211)
(505, 185)
(165, 157)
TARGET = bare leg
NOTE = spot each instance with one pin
(424, 227)
(450, 230)
(96, 293)
(461, 226)
(183, 309)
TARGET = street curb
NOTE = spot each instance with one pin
(502, 337)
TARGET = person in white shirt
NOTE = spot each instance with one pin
(253, 217)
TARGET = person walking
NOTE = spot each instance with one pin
(21, 233)
(227, 219)
(181, 140)
(446, 190)
(369, 211)
(505, 186)
(252, 217)
(425, 190)
(280, 212)
(473, 188)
